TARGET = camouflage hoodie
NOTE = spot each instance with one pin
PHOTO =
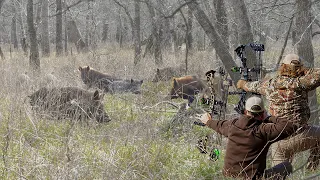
(287, 96)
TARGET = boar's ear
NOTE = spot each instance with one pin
(141, 81)
(88, 68)
(96, 95)
(80, 68)
(131, 80)
(158, 70)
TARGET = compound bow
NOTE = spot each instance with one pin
(244, 71)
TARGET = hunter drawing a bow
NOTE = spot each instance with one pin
(246, 73)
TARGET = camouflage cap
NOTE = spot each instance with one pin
(254, 104)
(291, 57)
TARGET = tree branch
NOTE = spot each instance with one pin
(67, 8)
(285, 44)
(178, 9)
(126, 10)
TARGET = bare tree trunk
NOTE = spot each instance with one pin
(65, 32)
(74, 36)
(215, 39)
(155, 35)
(86, 38)
(222, 21)
(34, 53)
(136, 31)
(119, 35)
(1, 53)
(305, 48)
(45, 42)
(105, 30)
(59, 46)
(244, 29)
(23, 38)
(189, 42)
(14, 39)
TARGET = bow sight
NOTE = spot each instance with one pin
(244, 70)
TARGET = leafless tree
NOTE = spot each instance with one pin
(305, 47)
(136, 31)
(215, 39)
(34, 53)
(59, 45)
(45, 43)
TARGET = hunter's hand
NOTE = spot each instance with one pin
(241, 83)
(205, 118)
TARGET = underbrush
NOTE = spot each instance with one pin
(144, 139)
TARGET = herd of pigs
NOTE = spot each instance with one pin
(80, 104)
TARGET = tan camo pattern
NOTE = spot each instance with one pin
(288, 97)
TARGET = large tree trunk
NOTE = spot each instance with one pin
(14, 39)
(59, 44)
(156, 39)
(74, 36)
(45, 43)
(23, 38)
(215, 39)
(244, 29)
(222, 20)
(105, 30)
(189, 38)
(34, 53)
(305, 48)
(136, 32)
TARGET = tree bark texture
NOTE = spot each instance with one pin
(244, 29)
(59, 44)
(215, 39)
(45, 42)
(222, 20)
(105, 30)
(305, 47)
(14, 39)
(34, 53)
(136, 31)
(155, 35)
(74, 36)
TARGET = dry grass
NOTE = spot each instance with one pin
(134, 145)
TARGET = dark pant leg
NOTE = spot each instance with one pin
(280, 171)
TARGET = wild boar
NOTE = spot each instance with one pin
(133, 86)
(166, 74)
(94, 78)
(69, 102)
(187, 87)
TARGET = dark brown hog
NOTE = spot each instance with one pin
(187, 87)
(94, 78)
(166, 74)
(69, 102)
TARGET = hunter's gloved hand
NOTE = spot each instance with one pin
(205, 118)
(241, 83)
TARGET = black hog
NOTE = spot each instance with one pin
(69, 102)
(166, 74)
(93, 78)
(133, 86)
(187, 87)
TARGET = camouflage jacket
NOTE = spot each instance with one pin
(288, 97)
